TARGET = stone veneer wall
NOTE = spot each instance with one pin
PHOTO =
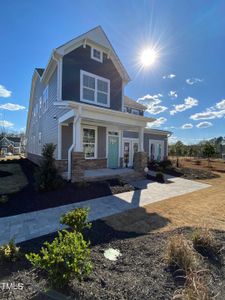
(140, 161)
(98, 163)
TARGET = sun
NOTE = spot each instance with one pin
(148, 57)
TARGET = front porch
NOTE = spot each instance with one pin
(94, 145)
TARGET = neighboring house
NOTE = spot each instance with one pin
(10, 145)
(77, 102)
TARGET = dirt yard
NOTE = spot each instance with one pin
(216, 165)
(198, 209)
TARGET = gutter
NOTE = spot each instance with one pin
(76, 119)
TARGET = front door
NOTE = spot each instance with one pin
(113, 151)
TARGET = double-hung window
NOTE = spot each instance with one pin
(89, 142)
(94, 89)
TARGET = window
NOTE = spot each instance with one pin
(40, 106)
(39, 138)
(94, 89)
(89, 142)
(45, 99)
(135, 111)
(96, 54)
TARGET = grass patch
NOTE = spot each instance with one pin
(15, 182)
(205, 243)
(180, 254)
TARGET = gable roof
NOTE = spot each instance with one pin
(40, 71)
(132, 103)
(98, 37)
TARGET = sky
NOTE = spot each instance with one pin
(184, 89)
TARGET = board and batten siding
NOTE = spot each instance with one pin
(80, 59)
(47, 123)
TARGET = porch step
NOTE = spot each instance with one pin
(132, 176)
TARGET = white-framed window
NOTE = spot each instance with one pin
(39, 138)
(96, 54)
(135, 111)
(45, 99)
(40, 106)
(90, 142)
(94, 89)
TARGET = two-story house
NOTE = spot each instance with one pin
(77, 102)
(10, 144)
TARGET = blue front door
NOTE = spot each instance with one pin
(113, 151)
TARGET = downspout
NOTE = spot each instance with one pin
(76, 119)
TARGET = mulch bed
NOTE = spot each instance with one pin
(4, 174)
(28, 199)
(140, 273)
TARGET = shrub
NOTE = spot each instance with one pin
(76, 219)
(68, 256)
(4, 199)
(180, 255)
(195, 288)
(205, 243)
(159, 176)
(47, 177)
(165, 164)
(9, 252)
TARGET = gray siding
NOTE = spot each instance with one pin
(101, 142)
(150, 136)
(47, 123)
(130, 134)
(67, 139)
(80, 59)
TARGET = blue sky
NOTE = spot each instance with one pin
(187, 35)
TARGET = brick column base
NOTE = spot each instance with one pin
(78, 166)
(140, 161)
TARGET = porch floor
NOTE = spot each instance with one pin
(107, 173)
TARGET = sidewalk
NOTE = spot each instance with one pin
(30, 225)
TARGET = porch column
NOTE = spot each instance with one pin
(59, 141)
(77, 135)
(141, 139)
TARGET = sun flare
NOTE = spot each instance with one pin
(148, 57)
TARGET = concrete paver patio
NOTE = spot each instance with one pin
(34, 224)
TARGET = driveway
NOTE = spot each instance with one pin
(30, 225)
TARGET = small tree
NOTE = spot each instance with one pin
(208, 151)
(47, 177)
(179, 146)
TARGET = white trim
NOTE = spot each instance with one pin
(96, 77)
(95, 58)
(59, 141)
(59, 80)
(95, 128)
(131, 142)
(67, 116)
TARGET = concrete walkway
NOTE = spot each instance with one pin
(30, 225)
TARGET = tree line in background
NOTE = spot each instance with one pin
(213, 148)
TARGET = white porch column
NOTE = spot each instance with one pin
(77, 135)
(141, 139)
(59, 141)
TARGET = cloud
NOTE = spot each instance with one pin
(151, 102)
(213, 112)
(169, 76)
(172, 94)
(187, 126)
(204, 125)
(157, 123)
(192, 81)
(220, 105)
(12, 107)
(5, 123)
(189, 102)
(4, 92)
